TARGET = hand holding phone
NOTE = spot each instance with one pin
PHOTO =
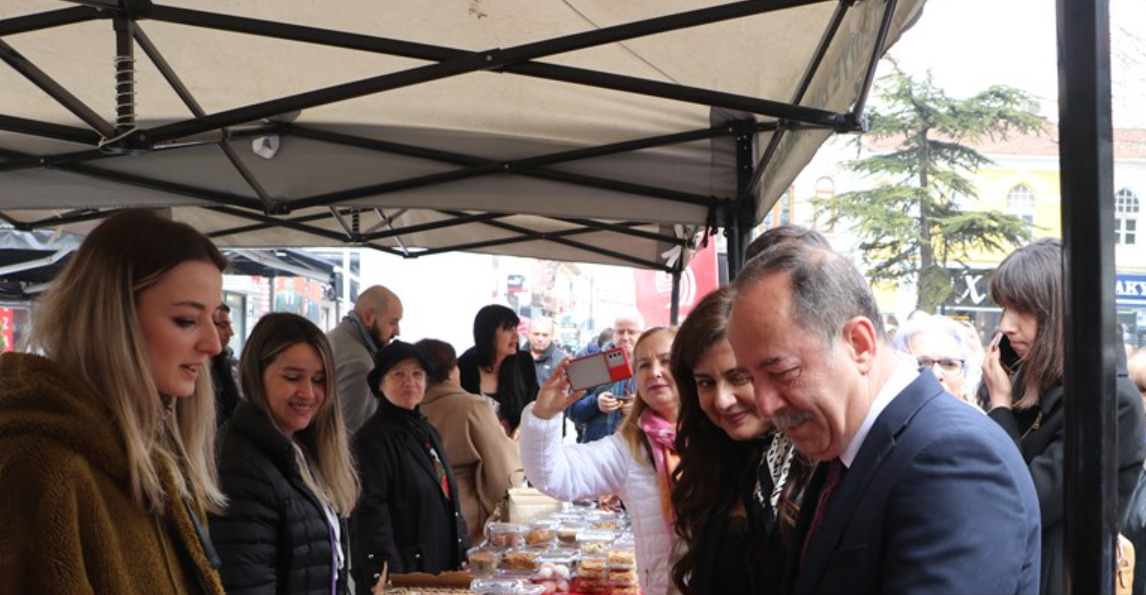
(608, 366)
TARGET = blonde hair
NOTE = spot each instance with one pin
(327, 467)
(630, 429)
(88, 323)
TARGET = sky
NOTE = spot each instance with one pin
(971, 44)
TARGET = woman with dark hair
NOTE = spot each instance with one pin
(483, 458)
(286, 467)
(738, 484)
(408, 517)
(107, 437)
(496, 368)
(1023, 372)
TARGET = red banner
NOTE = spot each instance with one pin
(7, 341)
(654, 288)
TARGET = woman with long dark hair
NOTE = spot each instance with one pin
(286, 467)
(1023, 372)
(738, 484)
(495, 367)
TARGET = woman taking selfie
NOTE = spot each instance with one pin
(1023, 372)
(285, 467)
(636, 463)
(494, 367)
(739, 482)
(107, 440)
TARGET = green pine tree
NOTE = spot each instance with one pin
(910, 224)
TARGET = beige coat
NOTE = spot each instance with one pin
(484, 459)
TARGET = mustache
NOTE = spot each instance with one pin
(790, 418)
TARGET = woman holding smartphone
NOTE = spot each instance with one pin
(1027, 403)
(635, 463)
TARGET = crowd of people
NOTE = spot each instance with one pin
(779, 441)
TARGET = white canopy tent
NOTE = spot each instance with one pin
(583, 130)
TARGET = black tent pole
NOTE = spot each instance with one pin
(1087, 182)
(674, 312)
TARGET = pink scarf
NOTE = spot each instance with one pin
(661, 435)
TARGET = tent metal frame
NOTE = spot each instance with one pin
(109, 141)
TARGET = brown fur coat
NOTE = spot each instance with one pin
(68, 523)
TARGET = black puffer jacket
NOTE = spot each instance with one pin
(274, 536)
(403, 515)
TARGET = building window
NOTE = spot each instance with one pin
(1021, 202)
(782, 212)
(1126, 209)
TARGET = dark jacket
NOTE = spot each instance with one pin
(544, 364)
(592, 423)
(1042, 449)
(403, 516)
(937, 500)
(516, 383)
(274, 536)
(226, 391)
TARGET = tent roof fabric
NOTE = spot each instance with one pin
(582, 130)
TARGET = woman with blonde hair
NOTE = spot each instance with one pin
(286, 466)
(107, 440)
(636, 462)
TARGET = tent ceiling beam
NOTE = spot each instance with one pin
(55, 90)
(75, 216)
(624, 229)
(515, 59)
(559, 238)
(290, 224)
(49, 130)
(192, 104)
(873, 60)
(477, 166)
(47, 20)
(454, 221)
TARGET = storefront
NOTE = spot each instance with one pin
(1130, 293)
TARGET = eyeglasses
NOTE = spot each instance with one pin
(947, 366)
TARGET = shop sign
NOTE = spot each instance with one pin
(1130, 289)
(971, 287)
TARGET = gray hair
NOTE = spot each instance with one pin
(972, 358)
(827, 289)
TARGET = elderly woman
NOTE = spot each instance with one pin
(484, 459)
(944, 347)
(408, 516)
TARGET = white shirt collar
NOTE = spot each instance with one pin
(903, 375)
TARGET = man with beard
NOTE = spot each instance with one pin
(915, 491)
(369, 327)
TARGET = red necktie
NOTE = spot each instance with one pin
(835, 474)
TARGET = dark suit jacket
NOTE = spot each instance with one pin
(938, 500)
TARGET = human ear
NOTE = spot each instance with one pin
(861, 340)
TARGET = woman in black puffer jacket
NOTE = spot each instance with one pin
(286, 468)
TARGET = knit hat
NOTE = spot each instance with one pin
(391, 355)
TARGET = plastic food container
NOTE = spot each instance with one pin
(521, 559)
(595, 541)
(623, 577)
(541, 532)
(483, 560)
(603, 519)
(567, 532)
(621, 557)
(505, 535)
(496, 586)
(593, 567)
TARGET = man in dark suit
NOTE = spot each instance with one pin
(916, 492)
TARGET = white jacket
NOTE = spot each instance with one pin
(607, 466)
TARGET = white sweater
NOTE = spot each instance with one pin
(607, 466)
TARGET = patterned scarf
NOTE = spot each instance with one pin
(661, 435)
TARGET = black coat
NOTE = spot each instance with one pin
(516, 383)
(274, 536)
(1043, 448)
(403, 516)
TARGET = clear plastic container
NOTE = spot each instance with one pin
(623, 577)
(483, 560)
(621, 556)
(596, 567)
(498, 586)
(522, 559)
(594, 542)
(505, 535)
(567, 532)
(541, 532)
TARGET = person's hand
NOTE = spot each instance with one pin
(995, 377)
(626, 406)
(554, 395)
(610, 502)
(607, 403)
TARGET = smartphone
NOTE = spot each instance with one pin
(605, 367)
(1007, 355)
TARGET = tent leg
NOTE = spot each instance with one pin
(674, 312)
(740, 215)
(1087, 179)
